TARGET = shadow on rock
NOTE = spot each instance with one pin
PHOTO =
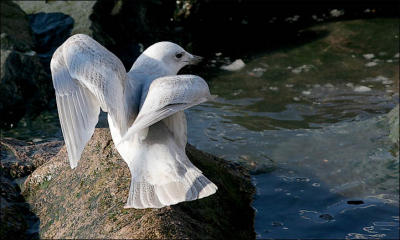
(18, 160)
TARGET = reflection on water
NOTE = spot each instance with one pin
(310, 121)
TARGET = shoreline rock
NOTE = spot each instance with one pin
(25, 87)
(87, 202)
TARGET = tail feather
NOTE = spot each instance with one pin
(162, 175)
(146, 195)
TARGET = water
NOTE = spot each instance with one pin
(309, 122)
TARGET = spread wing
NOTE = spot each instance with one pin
(167, 96)
(86, 76)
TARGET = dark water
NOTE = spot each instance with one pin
(309, 121)
(294, 205)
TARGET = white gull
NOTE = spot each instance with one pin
(145, 114)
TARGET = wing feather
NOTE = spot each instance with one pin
(167, 96)
(86, 77)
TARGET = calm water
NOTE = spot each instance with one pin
(309, 122)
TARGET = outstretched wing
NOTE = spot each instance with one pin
(167, 96)
(86, 76)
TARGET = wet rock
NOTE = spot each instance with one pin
(355, 202)
(15, 215)
(362, 89)
(49, 30)
(369, 56)
(326, 216)
(25, 88)
(277, 224)
(19, 159)
(87, 202)
(371, 64)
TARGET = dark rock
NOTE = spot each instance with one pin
(19, 159)
(25, 88)
(87, 202)
(49, 30)
(15, 216)
(326, 216)
(355, 202)
(277, 224)
(15, 30)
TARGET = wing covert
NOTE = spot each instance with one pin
(167, 96)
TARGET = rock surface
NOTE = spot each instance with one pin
(25, 88)
(87, 202)
(49, 31)
(79, 11)
(15, 215)
(19, 159)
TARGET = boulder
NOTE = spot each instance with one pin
(15, 216)
(49, 31)
(25, 88)
(87, 202)
(18, 160)
(79, 11)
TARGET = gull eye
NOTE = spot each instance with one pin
(179, 55)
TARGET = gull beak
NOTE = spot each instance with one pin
(195, 59)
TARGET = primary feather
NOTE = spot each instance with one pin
(145, 114)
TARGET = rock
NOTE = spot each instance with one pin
(15, 215)
(49, 30)
(87, 202)
(362, 89)
(79, 11)
(235, 66)
(25, 88)
(326, 216)
(19, 159)
(371, 64)
(369, 56)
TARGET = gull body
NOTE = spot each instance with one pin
(145, 114)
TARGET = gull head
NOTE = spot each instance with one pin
(172, 56)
